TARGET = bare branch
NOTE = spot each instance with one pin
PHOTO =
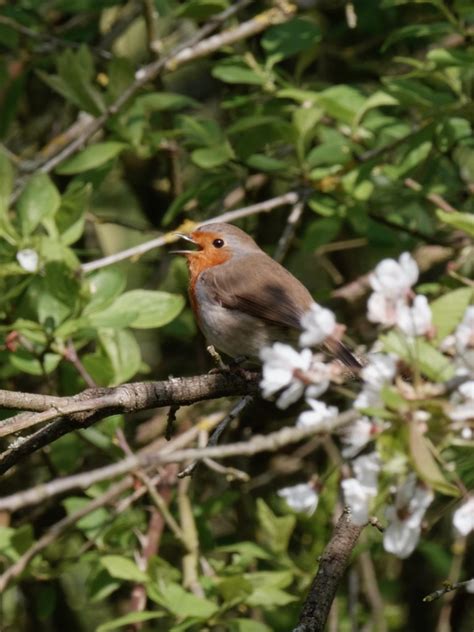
(171, 453)
(332, 565)
(129, 398)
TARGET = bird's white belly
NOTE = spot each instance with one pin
(231, 331)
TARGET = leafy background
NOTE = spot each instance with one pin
(371, 123)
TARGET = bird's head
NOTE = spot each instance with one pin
(215, 244)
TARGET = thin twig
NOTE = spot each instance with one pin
(447, 588)
(285, 240)
(434, 198)
(221, 427)
(168, 238)
(148, 458)
(41, 493)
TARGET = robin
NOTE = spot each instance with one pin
(242, 299)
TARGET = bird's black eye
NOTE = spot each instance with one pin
(218, 243)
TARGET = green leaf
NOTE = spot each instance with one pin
(162, 101)
(91, 157)
(123, 568)
(320, 232)
(182, 603)
(104, 286)
(39, 200)
(419, 353)
(247, 625)
(288, 39)
(260, 162)
(94, 521)
(425, 464)
(268, 596)
(413, 92)
(28, 363)
(448, 310)
(330, 153)
(245, 549)
(235, 72)
(76, 71)
(342, 102)
(201, 9)
(376, 100)
(70, 217)
(415, 31)
(275, 531)
(123, 352)
(129, 619)
(6, 186)
(234, 589)
(463, 221)
(141, 309)
(445, 58)
(99, 368)
(211, 157)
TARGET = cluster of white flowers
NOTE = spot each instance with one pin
(392, 301)
(405, 517)
(288, 371)
(361, 489)
(289, 375)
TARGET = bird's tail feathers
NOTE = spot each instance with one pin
(341, 351)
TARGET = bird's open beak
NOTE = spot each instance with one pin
(186, 252)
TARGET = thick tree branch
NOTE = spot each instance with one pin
(332, 565)
(92, 405)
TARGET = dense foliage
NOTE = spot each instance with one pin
(364, 111)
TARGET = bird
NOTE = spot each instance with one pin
(242, 299)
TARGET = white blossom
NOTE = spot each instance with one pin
(320, 375)
(358, 498)
(317, 416)
(356, 436)
(464, 400)
(301, 498)
(382, 309)
(415, 320)
(362, 488)
(405, 517)
(470, 586)
(394, 278)
(318, 323)
(464, 334)
(281, 364)
(463, 518)
(380, 370)
(28, 259)
(366, 469)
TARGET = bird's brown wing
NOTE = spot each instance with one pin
(260, 287)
